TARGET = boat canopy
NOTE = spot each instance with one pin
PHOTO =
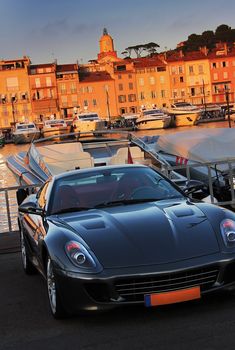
(204, 145)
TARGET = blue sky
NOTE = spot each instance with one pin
(69, 30)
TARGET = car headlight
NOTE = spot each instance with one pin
(227, 228)
(80, 256)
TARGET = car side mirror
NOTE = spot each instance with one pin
(30, 208)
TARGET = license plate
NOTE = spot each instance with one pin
(176, 296)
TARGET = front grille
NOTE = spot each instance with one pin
(134, 289)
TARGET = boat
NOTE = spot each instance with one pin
(88, 122)
(206, 155)
(211, 113)
(54, 127)
(2, 139)
(152, 119)
(25, 133)
(184, 114)
(46, 158)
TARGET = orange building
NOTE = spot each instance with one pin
(222, 71)
(96, 93)
(43, 90)
(68, 88)
(15, 104)
(112, 86)
(152, 81)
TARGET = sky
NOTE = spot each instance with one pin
(69, 30)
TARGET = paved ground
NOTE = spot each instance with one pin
(26, 323)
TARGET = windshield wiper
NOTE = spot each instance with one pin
(72, 209)
(124, 202)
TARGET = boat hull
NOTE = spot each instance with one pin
(19, 138)
(89, 126)
(149, 124)
(185, 119)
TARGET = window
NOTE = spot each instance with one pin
(173, 70)
(132, 98)
(122, 98)
(153, 94)
(74, 100)
(200, 69)
(190, 69)
(73, 88)
(182, 93)
(48, 81)
(181, 79)
(224, 64)
(12, 83)
(120, 87)
(225, 75)
(48, 70)
(85, 103)
(37, 82)
(142, 95)
(163, 93)
(180, 70)
(94, 102)
(215, 76)
(214, 65)
(141, 81)
(64, 101)
(174, 93)
(121, 68)
(152, 80)
(131, 86)
(193, 93)
(63, 88)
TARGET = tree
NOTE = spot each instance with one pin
(151, 48)
(223, 33)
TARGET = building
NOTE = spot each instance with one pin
(112, 86)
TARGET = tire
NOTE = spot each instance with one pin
(28, 266)
(55, 303)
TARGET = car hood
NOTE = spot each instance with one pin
(144, 234)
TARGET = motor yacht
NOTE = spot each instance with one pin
(152, 119)
(54, 127)
(25, 133)
(184, 113)
(87, 122)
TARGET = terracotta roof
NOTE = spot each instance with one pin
(143, 62)
(94, 76)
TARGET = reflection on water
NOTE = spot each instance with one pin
(7, 179)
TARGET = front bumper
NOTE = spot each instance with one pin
(113, 288)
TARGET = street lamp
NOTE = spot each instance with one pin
(13, 108)
(107, 102)
(228, 107)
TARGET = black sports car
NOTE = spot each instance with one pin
(117, 235)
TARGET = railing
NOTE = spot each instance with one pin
(9, 209)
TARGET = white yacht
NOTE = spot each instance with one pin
(25, 133)
(152, 119)
(88, 122)
(184, 113)
(54, 127)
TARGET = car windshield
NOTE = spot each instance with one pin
(107, 187)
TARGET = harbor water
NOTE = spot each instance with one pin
(7, 179)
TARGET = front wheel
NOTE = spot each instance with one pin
(28, 267)
(55, 303)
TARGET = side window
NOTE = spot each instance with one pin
(42, 195)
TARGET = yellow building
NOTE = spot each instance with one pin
(15, 104)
